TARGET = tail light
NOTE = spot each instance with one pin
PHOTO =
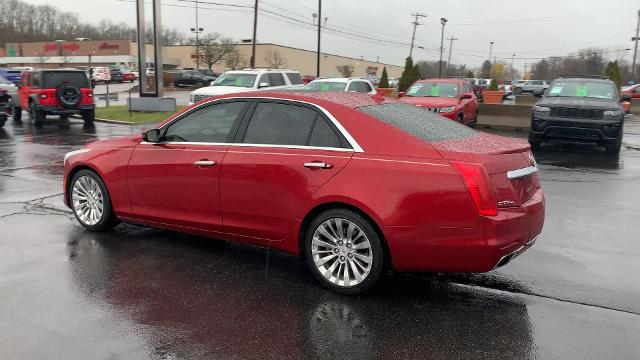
(479, 187)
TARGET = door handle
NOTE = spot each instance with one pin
(204, 163)
(318, 165)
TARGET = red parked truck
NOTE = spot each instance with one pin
(354, 184)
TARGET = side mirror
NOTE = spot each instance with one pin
(263, 85)
(538, 93)
(626, 97)
(466, 96)
(152, 136)
(400, 94)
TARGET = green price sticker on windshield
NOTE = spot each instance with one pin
(435, 90)
(581, 90)
(238, 82)
(325, 87)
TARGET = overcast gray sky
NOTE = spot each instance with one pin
(528, 29)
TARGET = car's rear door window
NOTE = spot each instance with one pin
(418, 121)
(276, 79)
(211, 124)
(323, 135)
(294, 78)
(280, 124)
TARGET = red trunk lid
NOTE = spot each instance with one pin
(498, 155)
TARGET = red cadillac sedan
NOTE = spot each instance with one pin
(354, 184)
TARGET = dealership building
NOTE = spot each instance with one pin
(55, 54)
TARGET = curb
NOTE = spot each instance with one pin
(109, 121)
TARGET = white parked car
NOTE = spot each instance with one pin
(101, 74)
(342, 84)
(249, 80)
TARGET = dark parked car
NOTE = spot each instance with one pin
(188, 78)
(116, 74)
(4, 105)
(579, 109)
(209, 72)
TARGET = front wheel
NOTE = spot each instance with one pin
(534, 142)
(344, 252)
(16, 112)
(38, 116)
(90, 201)
(517, 91)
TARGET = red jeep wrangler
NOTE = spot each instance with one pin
(55, 92)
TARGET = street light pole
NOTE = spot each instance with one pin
(255, 30)
(443, 21)
(513, 73)
(490, 53)
(319, 28)
(197, 30)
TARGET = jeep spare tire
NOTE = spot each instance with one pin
(68, 96)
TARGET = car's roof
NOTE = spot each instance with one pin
(590, 79)
(59, 70)
(338, 79)
(351, 100)
(257, 71)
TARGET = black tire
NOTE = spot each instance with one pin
(614, 148)
(534, 142)
(517, 91)
(16, 112)
(68, 96)
(88, 116)
(108, 219)
(460, 118)
(3, 120)
(38, 116)
(64, 117)
(376, 251)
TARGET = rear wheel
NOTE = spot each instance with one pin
(344, 252)
(64, 117)
(517, 91)
(614, 148)
(90, 201)
(38, 116)
(88, 116)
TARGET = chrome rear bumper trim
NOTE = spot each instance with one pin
(514, 174)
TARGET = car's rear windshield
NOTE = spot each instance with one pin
(53, 79)
(586, 88)
(433, 89)
(418, 122)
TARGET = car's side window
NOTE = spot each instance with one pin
(208, 124)
(280, 124)
(294, 78)
(276, 79)
(323, 135)
(35, 80)
(353, 86)
(366, 88)
(264, 79)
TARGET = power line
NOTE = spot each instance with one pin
(547, 18)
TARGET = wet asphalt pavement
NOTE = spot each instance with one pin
(140, 293)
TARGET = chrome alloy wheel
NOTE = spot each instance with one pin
(87, 200)
(341, 252)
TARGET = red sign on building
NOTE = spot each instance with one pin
(107, 46)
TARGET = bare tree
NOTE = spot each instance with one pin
(234, 60)
(275, 59)
(213, 48)
(41, 58)
(345, 70)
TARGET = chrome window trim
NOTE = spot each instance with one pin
(514, 174)
(355, 147)
(301, 147)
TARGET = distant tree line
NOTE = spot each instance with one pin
(589, 61)
(24, 22)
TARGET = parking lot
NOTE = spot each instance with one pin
(143, 293)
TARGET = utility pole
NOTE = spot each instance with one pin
(635, 50)
(451, 40)
(415, 25)
(255, 30)
(443, 21)
(197, 30)
(319, 27)
(525, 76)
(513, 70)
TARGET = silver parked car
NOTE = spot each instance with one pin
(530, 86)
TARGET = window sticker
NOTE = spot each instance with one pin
(414, 89)
(325, 87)
(555, 90)
(238, 81)
(435, 90)
(581, 90)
